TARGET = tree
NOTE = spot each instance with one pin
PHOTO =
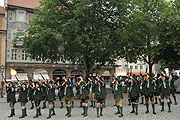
(85, 29)
(170, 32)
(142, 31)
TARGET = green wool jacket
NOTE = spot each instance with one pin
(37, 93)
(148, 91)
(43, 92)
(23, 92)
(133, 89)
(100, 90)
(51, 93)
(31, 91)
(85, 90)
(68, 89)
(172, 86)
(164, 87)
(11, 94)
(118, 89)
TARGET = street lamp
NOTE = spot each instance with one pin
(2, 70)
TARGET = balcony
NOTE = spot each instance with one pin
(18, 43)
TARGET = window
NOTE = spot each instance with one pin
(131, 67)
(24, 55)
(136, 67)
(30, 17)
(13, 54)
(20, 16)
(141, 67)
(19, 34)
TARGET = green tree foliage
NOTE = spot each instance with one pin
(142, 31)
(170, 32)
(87, 30)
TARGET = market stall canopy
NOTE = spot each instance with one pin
(19, 76)
(40, 75)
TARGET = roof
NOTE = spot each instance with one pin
(24, 3)
(2, 10)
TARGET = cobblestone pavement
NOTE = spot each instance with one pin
(108, 112)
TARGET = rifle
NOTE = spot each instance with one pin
(30, 80)
(43, 77)
(17, 78)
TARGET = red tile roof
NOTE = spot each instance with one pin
(25, 3)
(2, 10)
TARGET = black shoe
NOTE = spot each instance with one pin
(155, 103)
(136, 113)
(132, 112)
(10, 116)
(22, 116)
(154, 113)
(66, 114)
(98, 116)
(83, 113)
(69, 116)
(101, 114)
(147, 111)
(117, 113)
(35, 116)
(32, 107)
(162, 110)
(169, 111)
(53, 114)
(176, 103)
(48, 117)
(121, 115)
(91, 106)
(142, 103)
(129, 104)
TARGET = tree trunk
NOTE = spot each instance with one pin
(87, 67)
(150, 69)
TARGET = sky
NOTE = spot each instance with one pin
(1, 2)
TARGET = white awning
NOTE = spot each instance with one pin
(20, 77)
(38, 76)
(122, 74)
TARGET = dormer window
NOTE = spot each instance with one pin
(21, 16)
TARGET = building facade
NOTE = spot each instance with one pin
(2, 40)
(140, 67)
(18, 13)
